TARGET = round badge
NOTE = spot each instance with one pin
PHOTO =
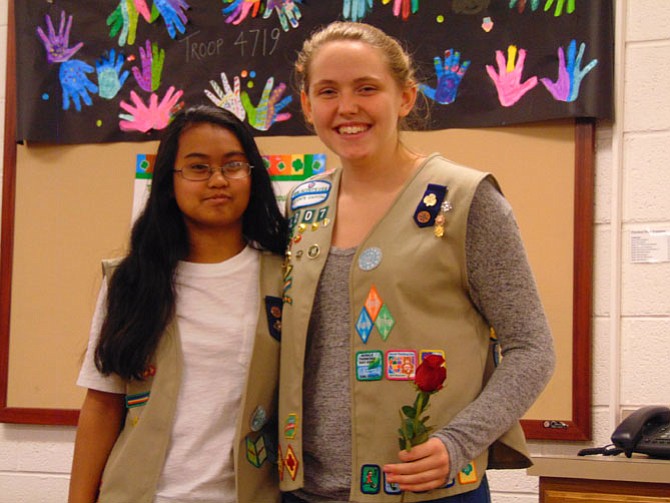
(370, 258)
(430, 200)
(258, 419)
(313, 251)
(423, 217)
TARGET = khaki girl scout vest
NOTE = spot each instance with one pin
(409, 297)
(135, 463)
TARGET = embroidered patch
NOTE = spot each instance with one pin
(290, 426)
(310, 193)
(384, 322)
(370, 258)
(273, 307)
(256, 453)
(429, 206)
(400, 365)
(137, 400)
(370, 479)
(308, 216)
(291, 462)
(321, 215)
(391, 487)
(373, 303)
(369, 365)
(258, 419)
(468, 475)
(280, 463)
(427, 352)
(364, 325)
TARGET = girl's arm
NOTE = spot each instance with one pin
(99, 425)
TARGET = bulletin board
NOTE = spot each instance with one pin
(66, 207)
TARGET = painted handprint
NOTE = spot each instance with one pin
(566, 87)
(559, 6)
(110, 78)
(143, 118)
(355, 10)
(75, 83)
(521, 5)
(57, 45)
(404, 7)
(227, 98)
(449, 76)
(152, 59)
(173, 14)
(239, 10)
(142, 8)
(267, 112)
(287, 11)
(123, 20)
(508, 79)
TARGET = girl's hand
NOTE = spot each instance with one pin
(425, 467)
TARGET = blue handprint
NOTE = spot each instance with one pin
(566, 87)
(173, 15)
(239, 10)
(110, 78)
(75, 83)
(449, 77)
(57, 45)
(355, 10)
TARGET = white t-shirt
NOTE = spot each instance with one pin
(217, 311)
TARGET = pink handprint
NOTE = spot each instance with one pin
(142, 8)
(57, 45)
(155, 116)
(508, 79)
(239, 10)
(403, 7)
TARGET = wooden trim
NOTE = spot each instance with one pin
(583, 490)
(579, 428)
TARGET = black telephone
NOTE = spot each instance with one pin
(647, 430)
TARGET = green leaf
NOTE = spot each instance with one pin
(425, 419)
(409, 428)
(420, 439)
(401, 443)
(409, 411)
(419, 429)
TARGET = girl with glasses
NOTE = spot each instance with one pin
(182, 359)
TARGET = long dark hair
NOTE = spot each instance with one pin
(141, 295)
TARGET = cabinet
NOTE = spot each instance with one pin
(600, 479)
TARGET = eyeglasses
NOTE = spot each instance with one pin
(200, 172)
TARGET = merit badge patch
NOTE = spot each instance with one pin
(429, 206)
(364, 325)
(468, 475)
(370, 479)
(137, 400)
(401, 365)
(391, 487)
(273, 306)
(370, 258)
(290, 426)
(310, 193)
(258, 419)
(427, 352)
(369, 365)
(291, 462)
(256, 453)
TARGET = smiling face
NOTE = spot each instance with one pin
(354, 102)
(215, 205)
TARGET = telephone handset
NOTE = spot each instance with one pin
(647, 430)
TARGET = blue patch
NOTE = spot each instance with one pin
(310, 194)
(429, 206)
(370, 258)
(364, 325)
(391, 487)
(273, 307)
(369, 365)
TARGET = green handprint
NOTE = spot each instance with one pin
(124, 19)
(267, 112)
(559, 6)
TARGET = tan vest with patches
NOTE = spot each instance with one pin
(408, 296)
(134, 466)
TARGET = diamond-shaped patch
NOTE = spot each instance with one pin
(384, 322)
(364, 325)
(373, 303)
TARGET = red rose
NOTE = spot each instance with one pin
(430, 375)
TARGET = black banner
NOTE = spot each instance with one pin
(108, 71)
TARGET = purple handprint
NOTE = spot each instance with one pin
(57, 45)
(155, 116)
(151, 59)
(287, 11)
(449, 78)
(566, 87)
(75, 83)
(239, 10)
(508, 79)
